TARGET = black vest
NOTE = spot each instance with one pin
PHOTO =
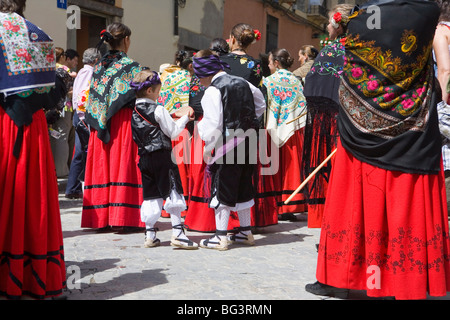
(238, 103)
(146, 131)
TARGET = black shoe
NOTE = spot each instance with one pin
(74, 196)
(320, 289)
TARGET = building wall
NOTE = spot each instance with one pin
(49, 18)
(292, 35)
(151, 21)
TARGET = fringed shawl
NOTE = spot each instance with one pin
(110, 91)
(388, 116)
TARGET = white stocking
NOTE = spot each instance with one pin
(245, 220)
(150, 213)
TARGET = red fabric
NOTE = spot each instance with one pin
(31, 241)
(113, 183)
(288, 177)
(202, 218)
(321, 149)
(395, 222)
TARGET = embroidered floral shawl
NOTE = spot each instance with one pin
(388, 116)
(110, 90)
(285, 103)
(174, 93)
(322, 81)
(28, 56)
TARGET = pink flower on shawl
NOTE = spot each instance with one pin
(389, 97)
(420, 91)
(357, 72)
(407, 104)
(372, 85)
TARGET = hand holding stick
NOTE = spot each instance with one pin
(310, 177)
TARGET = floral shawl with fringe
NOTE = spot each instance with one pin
(388, 115)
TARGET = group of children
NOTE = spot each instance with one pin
(229, 103)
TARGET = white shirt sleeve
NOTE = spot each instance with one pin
(171, 128)
(210, 127)
(260, 101)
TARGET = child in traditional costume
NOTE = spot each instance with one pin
(230, 103)
(153, 128)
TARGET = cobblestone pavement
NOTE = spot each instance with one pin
(115, 265)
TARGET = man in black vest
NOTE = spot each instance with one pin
(231, 107)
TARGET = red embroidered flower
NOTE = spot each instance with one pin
(195, 88)
(50, 58)
(9, 26)
(24, 54)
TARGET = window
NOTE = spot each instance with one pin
(272, 33)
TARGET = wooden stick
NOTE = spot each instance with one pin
(310, 177)
(303, 114)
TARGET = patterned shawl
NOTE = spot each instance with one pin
(285, 103)
(110, 90)
(388, 116)
(323, 79)
(174, 92)
(28, 55)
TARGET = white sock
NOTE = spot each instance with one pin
(245, 220)
(175, 218)
(222, 215)
(150, 213)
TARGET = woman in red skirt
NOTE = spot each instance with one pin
(31, 241)
(112, 195)
(321, 92)
(285, 104)
(385, 227)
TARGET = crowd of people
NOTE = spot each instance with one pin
(373, 115)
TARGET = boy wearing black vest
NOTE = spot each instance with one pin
(153, 128)
(230, 105)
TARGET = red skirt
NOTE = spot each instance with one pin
(31, 240)
(385, 232)
(321, 144)
(288, 178)
(113, 183)
(200, 217)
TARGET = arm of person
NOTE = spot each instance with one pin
(210, 127)
(171, 128)
(441, 50)
(444, 119)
